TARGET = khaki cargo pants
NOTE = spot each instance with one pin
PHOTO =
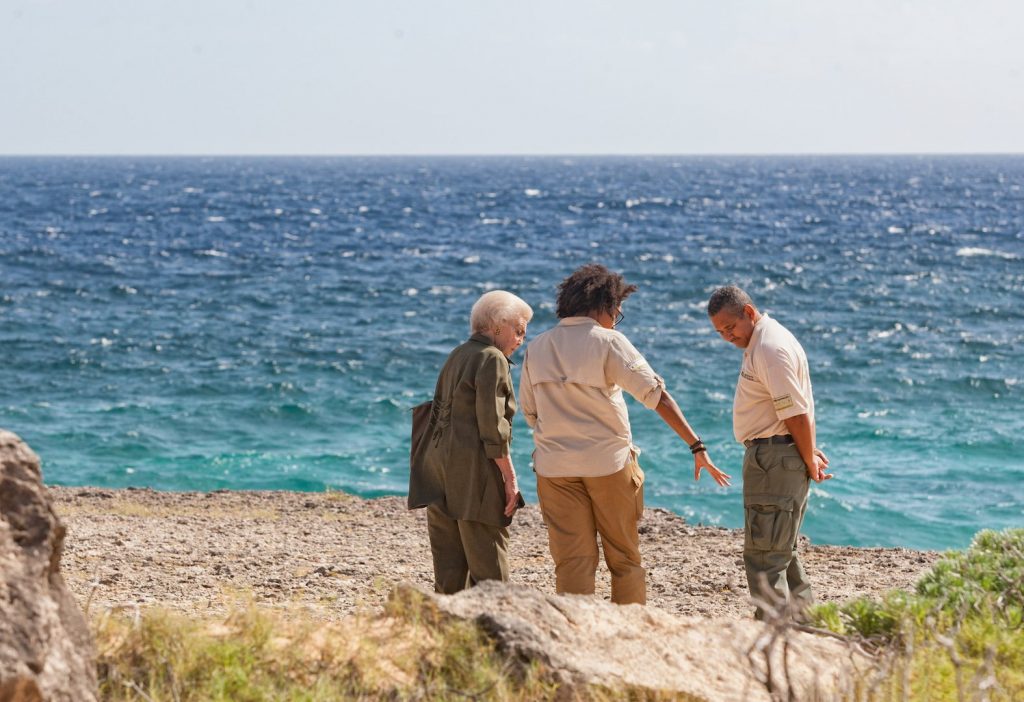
(576, 510)
(775, 487)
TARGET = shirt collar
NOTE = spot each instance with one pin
(759, 327)
(573, 321)
(481, 339)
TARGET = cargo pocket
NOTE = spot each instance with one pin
(638, 488)
(770, 523)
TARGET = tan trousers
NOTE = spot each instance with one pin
(575, 511)
(465, 552)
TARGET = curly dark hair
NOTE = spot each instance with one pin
(592, 288)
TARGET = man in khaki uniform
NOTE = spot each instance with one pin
(588, 478)
(773, 416)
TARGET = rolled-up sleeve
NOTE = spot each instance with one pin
(493, 389)
(527, 401)
(628, 369)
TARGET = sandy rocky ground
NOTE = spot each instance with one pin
(332, 554)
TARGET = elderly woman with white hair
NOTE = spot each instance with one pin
(462, 470)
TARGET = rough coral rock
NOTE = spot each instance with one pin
(46, 651)
(584, 641)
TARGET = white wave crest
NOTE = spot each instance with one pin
(968, 251)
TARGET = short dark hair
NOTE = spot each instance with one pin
(731, 298)
(592, 288)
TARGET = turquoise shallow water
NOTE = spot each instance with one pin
(194, 324)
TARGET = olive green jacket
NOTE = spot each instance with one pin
(470, 424)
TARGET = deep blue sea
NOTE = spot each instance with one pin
(206, 323)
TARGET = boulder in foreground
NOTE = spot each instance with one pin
(584, 641)
(46, 651)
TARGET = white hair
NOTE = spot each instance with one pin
(496, 308)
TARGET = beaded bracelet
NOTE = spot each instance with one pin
(697, 446)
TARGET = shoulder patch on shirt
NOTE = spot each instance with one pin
(637, 364)
(748, 376)
(781, 403)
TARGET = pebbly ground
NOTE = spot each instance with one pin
(334, 554)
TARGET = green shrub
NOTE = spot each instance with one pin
(959, 635)
(871, 619)
(828, 616)
(990, 571)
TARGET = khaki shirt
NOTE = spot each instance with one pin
(571, 394)
(470, 426)
(774, 383)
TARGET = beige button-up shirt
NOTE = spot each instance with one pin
(774, 383)
(570, 392)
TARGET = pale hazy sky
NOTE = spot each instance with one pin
(512, 77)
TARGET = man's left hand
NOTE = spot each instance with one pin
(817, 471)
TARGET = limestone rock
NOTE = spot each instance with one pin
(46, 651)
(587, 641)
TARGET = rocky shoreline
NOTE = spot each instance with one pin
(333, 554)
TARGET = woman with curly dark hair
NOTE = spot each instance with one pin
(588, 479)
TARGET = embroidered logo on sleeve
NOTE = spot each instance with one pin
(784, 402)
(637, 364)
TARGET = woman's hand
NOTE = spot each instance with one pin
(669, 411)
(701, 460)
(511, 497)
(508, 474)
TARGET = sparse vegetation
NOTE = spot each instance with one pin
(409, 652)
(958, 636)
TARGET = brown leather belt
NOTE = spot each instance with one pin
(780, 439)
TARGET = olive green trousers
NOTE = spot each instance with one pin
(465, 552)
(775, 488)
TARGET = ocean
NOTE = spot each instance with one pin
(266, 323)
